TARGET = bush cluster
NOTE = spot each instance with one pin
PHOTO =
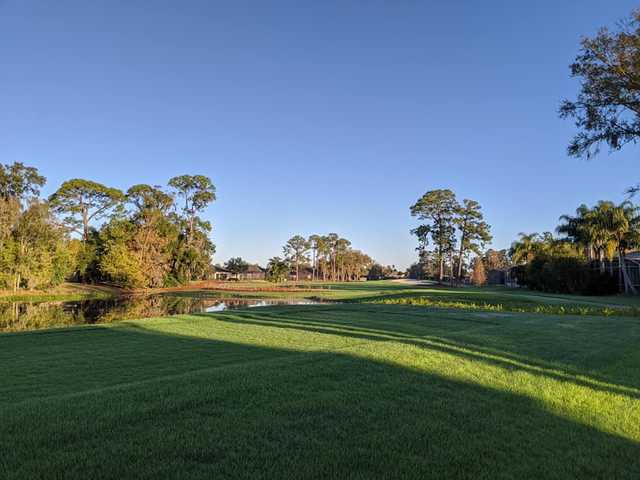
(565, 274)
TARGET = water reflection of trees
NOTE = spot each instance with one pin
(20, 316)
(17, 316)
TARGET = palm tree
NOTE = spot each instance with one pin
(611, 229)
(524, 249)
(578, 230)
(622, 224)
(598, 228)
(278, 269)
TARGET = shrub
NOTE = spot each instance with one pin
(565, 274)
(601, 284)
(375, 272)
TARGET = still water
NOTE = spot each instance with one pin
(20, 316)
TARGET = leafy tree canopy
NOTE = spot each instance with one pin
(148, 198)
(236, 265)
(17, 181)
(277, 270)
(84, 201)
(607, 108)
(197, 191)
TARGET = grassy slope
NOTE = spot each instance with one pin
(337, 391)
(441, 296)
(361, 290)
(357, 291)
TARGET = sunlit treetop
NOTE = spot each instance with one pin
(607, 108)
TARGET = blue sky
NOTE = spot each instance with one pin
(310, 116)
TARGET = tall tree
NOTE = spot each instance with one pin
(296, 252)
(154, 232)
(474, 231)
(438, 209)
(10, 211)
(423, 233)
(19, 182)
(33, 254)
(194, 249)
(607, 109)
(84, 201)
(355, 264)
(314, 244)
(118, 261)
(342, 250)
(324, 254)
(196, 191)
(149, 200)
(192, 256)
(332, 243)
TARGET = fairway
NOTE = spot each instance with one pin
(325, 391)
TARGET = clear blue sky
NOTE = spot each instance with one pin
(310, 116)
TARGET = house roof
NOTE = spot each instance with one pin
(221, 269)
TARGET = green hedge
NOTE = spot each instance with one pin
(565, 274)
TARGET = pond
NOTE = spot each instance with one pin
(21, 316)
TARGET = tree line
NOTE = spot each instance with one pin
(329, 257)
(147, 236)
(597, 235)
(586, 256)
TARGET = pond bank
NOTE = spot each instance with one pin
(82, 291)
(25, 316)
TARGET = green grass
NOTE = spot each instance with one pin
(496, 299)
(327, 391)
(466, 302)
(385, 292)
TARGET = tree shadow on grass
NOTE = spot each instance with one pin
(64, 361)
(291, 414)
(477, 298)
(400, 333)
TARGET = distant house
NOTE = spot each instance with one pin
(254, 272)
(306, 273)
(222, 273)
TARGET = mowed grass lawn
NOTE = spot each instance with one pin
(325, 391)
(430, 294)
